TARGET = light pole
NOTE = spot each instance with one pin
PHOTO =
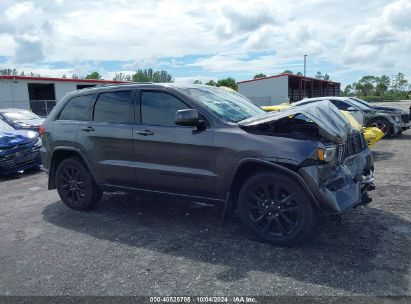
(305, 70)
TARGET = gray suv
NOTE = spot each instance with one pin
(279, 170)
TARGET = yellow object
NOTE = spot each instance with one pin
(371, 134)
(278, 107)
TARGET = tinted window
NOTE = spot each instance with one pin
(78, 108)
(113, 107)
(160, 108)
(341, 105)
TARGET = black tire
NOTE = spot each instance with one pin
(275, 208)
(384, 125)
(75, 184)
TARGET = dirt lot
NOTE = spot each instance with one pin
(129, 246)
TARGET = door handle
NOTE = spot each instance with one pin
(145, 132)
(88, 129)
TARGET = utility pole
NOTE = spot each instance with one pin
(305, 70)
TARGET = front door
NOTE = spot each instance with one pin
(171, 158)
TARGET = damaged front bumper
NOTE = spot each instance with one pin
(338, 187)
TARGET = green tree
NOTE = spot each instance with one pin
(197, 82)
(319, 75)
(150, 75)
(8, 72)
(299, 74)
(348, 90)
(381, 85)
(211, 83)
(228, 82)
(288, 72)
(122, 77)
(366, 85)
(94, 75)
(260, 75)
(326, 77)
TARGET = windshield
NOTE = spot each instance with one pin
(4, 126)
(231, 107)
(361, 101)
(358, 104)
(20, 115)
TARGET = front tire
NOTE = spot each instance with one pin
(276, 209)
(384, 125)
(75, 185)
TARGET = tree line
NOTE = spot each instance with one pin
(380, 88)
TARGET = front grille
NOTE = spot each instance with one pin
(19, 157)
(354, 144)
(405, 118)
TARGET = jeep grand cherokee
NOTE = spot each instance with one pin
(202, 143)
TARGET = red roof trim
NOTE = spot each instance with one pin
(286, 74)
(9, 77)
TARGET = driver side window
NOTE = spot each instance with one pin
(159, 108)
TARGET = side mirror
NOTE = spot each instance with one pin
(188, 118)
(352, 109)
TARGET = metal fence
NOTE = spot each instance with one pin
(42, 107)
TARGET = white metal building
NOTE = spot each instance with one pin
(39, 93)
(281, 88)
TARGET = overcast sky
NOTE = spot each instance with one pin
(207, 39)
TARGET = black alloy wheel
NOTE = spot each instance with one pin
(75, 185)
(275, 208)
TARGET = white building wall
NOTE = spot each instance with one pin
(264, 92)
(62, 88)
(14, 94)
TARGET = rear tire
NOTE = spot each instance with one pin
(75, 184)
(275, 208)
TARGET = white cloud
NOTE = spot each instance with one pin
(243, 37)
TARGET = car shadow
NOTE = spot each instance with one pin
(367, 251)
(381, 155)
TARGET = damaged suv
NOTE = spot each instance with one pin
(202, 143)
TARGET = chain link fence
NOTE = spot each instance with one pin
(42, 107)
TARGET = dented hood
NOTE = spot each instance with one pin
(330, 121)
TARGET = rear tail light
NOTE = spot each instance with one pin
(42, 130)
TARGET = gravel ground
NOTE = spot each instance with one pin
(131, 246)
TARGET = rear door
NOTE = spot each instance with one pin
(75, 113)
(107, 139)
(171, 158)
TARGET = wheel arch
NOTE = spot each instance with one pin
(59, 154)
(250, 166)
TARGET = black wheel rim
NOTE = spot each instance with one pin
(72, 185)
(381, 126)
(274, 210)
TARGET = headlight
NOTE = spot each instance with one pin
(38, 143)
(327, 153)
(397, 119)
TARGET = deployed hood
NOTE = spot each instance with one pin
(13, 138)
(330, 121)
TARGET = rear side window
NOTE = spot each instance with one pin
(78, 108)
(113, 107)
(160, 108)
